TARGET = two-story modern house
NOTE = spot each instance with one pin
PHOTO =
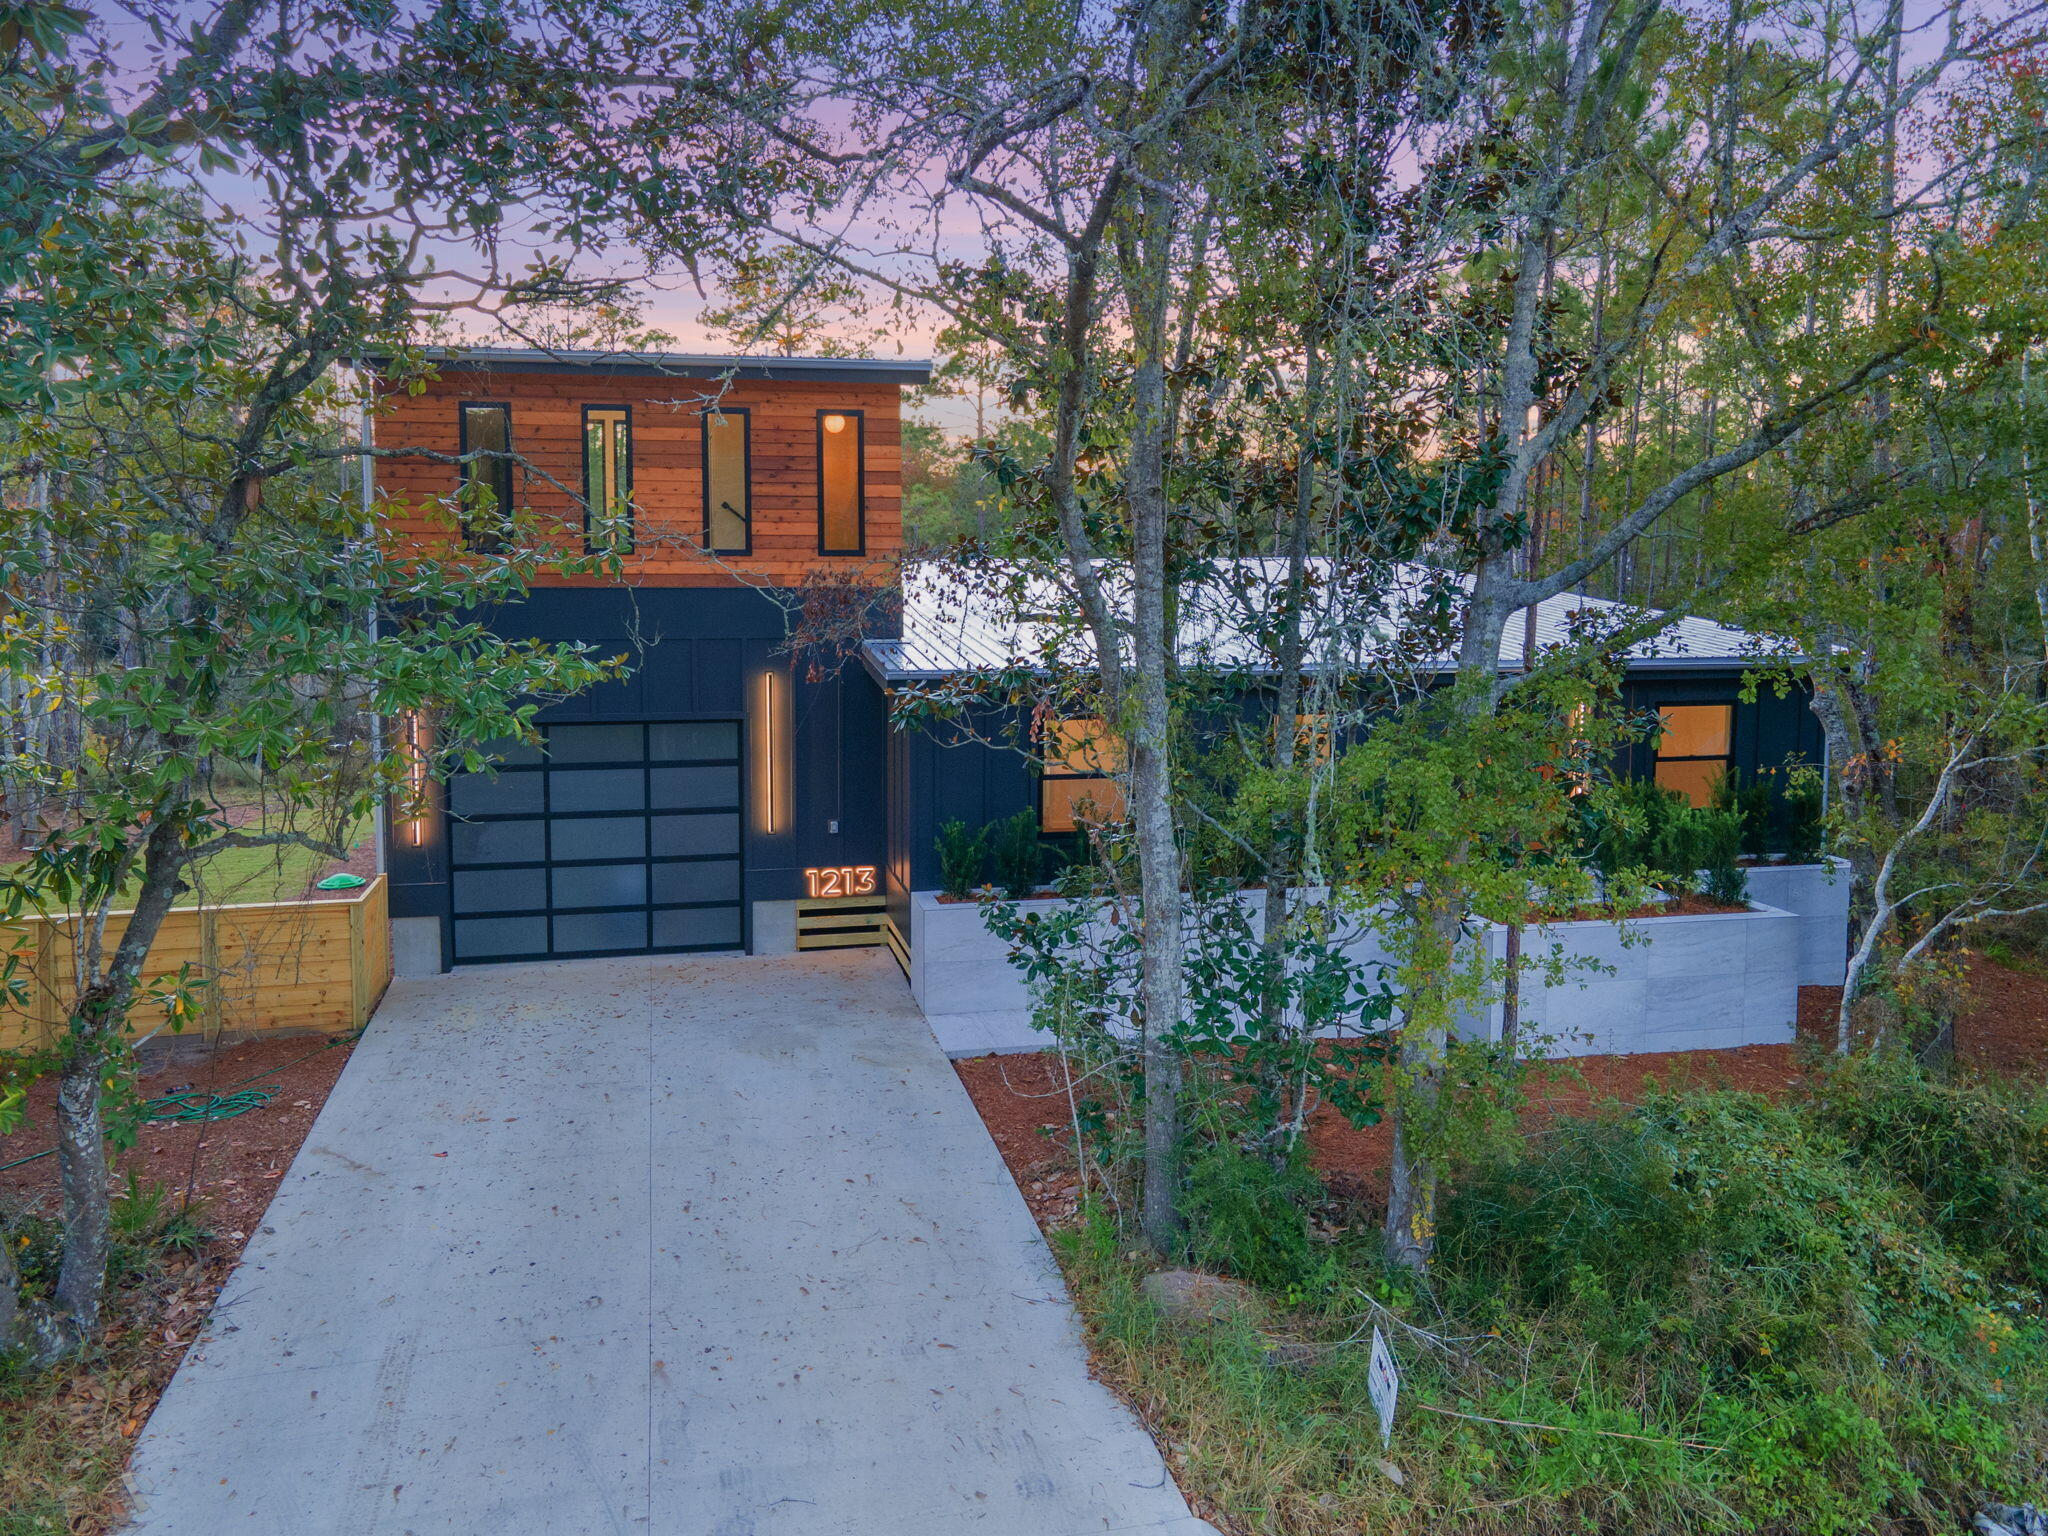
(679, 808)
(722, 797)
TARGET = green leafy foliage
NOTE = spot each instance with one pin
(1975, 1149)
(963, 853)
(1248, 1216)
(1016, 854)
(1706, 1314)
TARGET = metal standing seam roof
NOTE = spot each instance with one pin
(949, 628)
(682, 365)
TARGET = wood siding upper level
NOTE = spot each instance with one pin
(667, 467)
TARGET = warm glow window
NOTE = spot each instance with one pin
(486, 450)
(1312, 738)
(1081, 757)
(728, 508)
(1694, 748)
(607, 478)
(842, 514)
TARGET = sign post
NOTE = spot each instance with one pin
(1383, 1382)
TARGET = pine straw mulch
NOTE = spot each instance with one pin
(65, 1435)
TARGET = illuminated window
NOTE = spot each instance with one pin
(486, 432)
(728, 507)
(607, 478)
(1694, 748)
(1080, 757)
(1312, 738)
(841, 510)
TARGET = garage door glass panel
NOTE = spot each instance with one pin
(500, 890)
(595, 743)
(697, 881)
(698, 928)
(610, 838)
(499, 842)
(585, 931)
(601, 885)
(685, 789)
(485, 938)
(692, 835)
(693, 741)
(510, 751)
(599, 837)
(506, 794)
(597, 789)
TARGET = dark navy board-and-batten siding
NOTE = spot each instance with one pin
(944, 773)
(697, 654)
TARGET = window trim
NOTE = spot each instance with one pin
(466, 472)
(627, 545)
(860, 480)
(746, 416)
(1725, 759)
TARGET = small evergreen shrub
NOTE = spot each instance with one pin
(1805, 818)
(1722, 836)
(962, 853)
(1748, 798)
(1015, 851)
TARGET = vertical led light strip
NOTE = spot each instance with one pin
(768, 773)
(416, 778)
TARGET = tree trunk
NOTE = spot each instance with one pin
(82, 1168)
(1159, 871)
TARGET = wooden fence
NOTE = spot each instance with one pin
(272, 967)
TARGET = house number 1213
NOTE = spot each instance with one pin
(844, 880)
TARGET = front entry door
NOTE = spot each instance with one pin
(614, 839)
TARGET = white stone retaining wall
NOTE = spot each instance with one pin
(1688, 983)
(1704, 982)
(1819, 895)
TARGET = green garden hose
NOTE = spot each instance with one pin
(193, 1108)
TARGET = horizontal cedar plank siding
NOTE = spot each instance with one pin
(547, 431)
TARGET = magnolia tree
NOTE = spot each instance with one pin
(204, 628)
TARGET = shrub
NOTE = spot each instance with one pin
(1976, 1151)
(1740, 1274)
(962, 853)
(1245, 1217)
(1805, 817)
(1749, 798)
(1015, 851)
(1720, 837)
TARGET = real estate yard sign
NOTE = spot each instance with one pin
(1383, 1381)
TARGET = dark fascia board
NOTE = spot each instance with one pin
(678, 365)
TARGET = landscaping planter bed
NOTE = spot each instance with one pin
(1694, 981)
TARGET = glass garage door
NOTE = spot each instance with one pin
(614, 840)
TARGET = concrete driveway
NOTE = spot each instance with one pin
(711, 1247)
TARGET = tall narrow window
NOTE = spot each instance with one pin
(1694, 748)
(1080, 758)
(728, 506)
(486, 433)
(607, 478)
(842, 522)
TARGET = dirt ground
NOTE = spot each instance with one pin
(230, 1167)
(1023, 1099)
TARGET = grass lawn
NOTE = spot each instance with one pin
(240, 875)
(261, 874)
